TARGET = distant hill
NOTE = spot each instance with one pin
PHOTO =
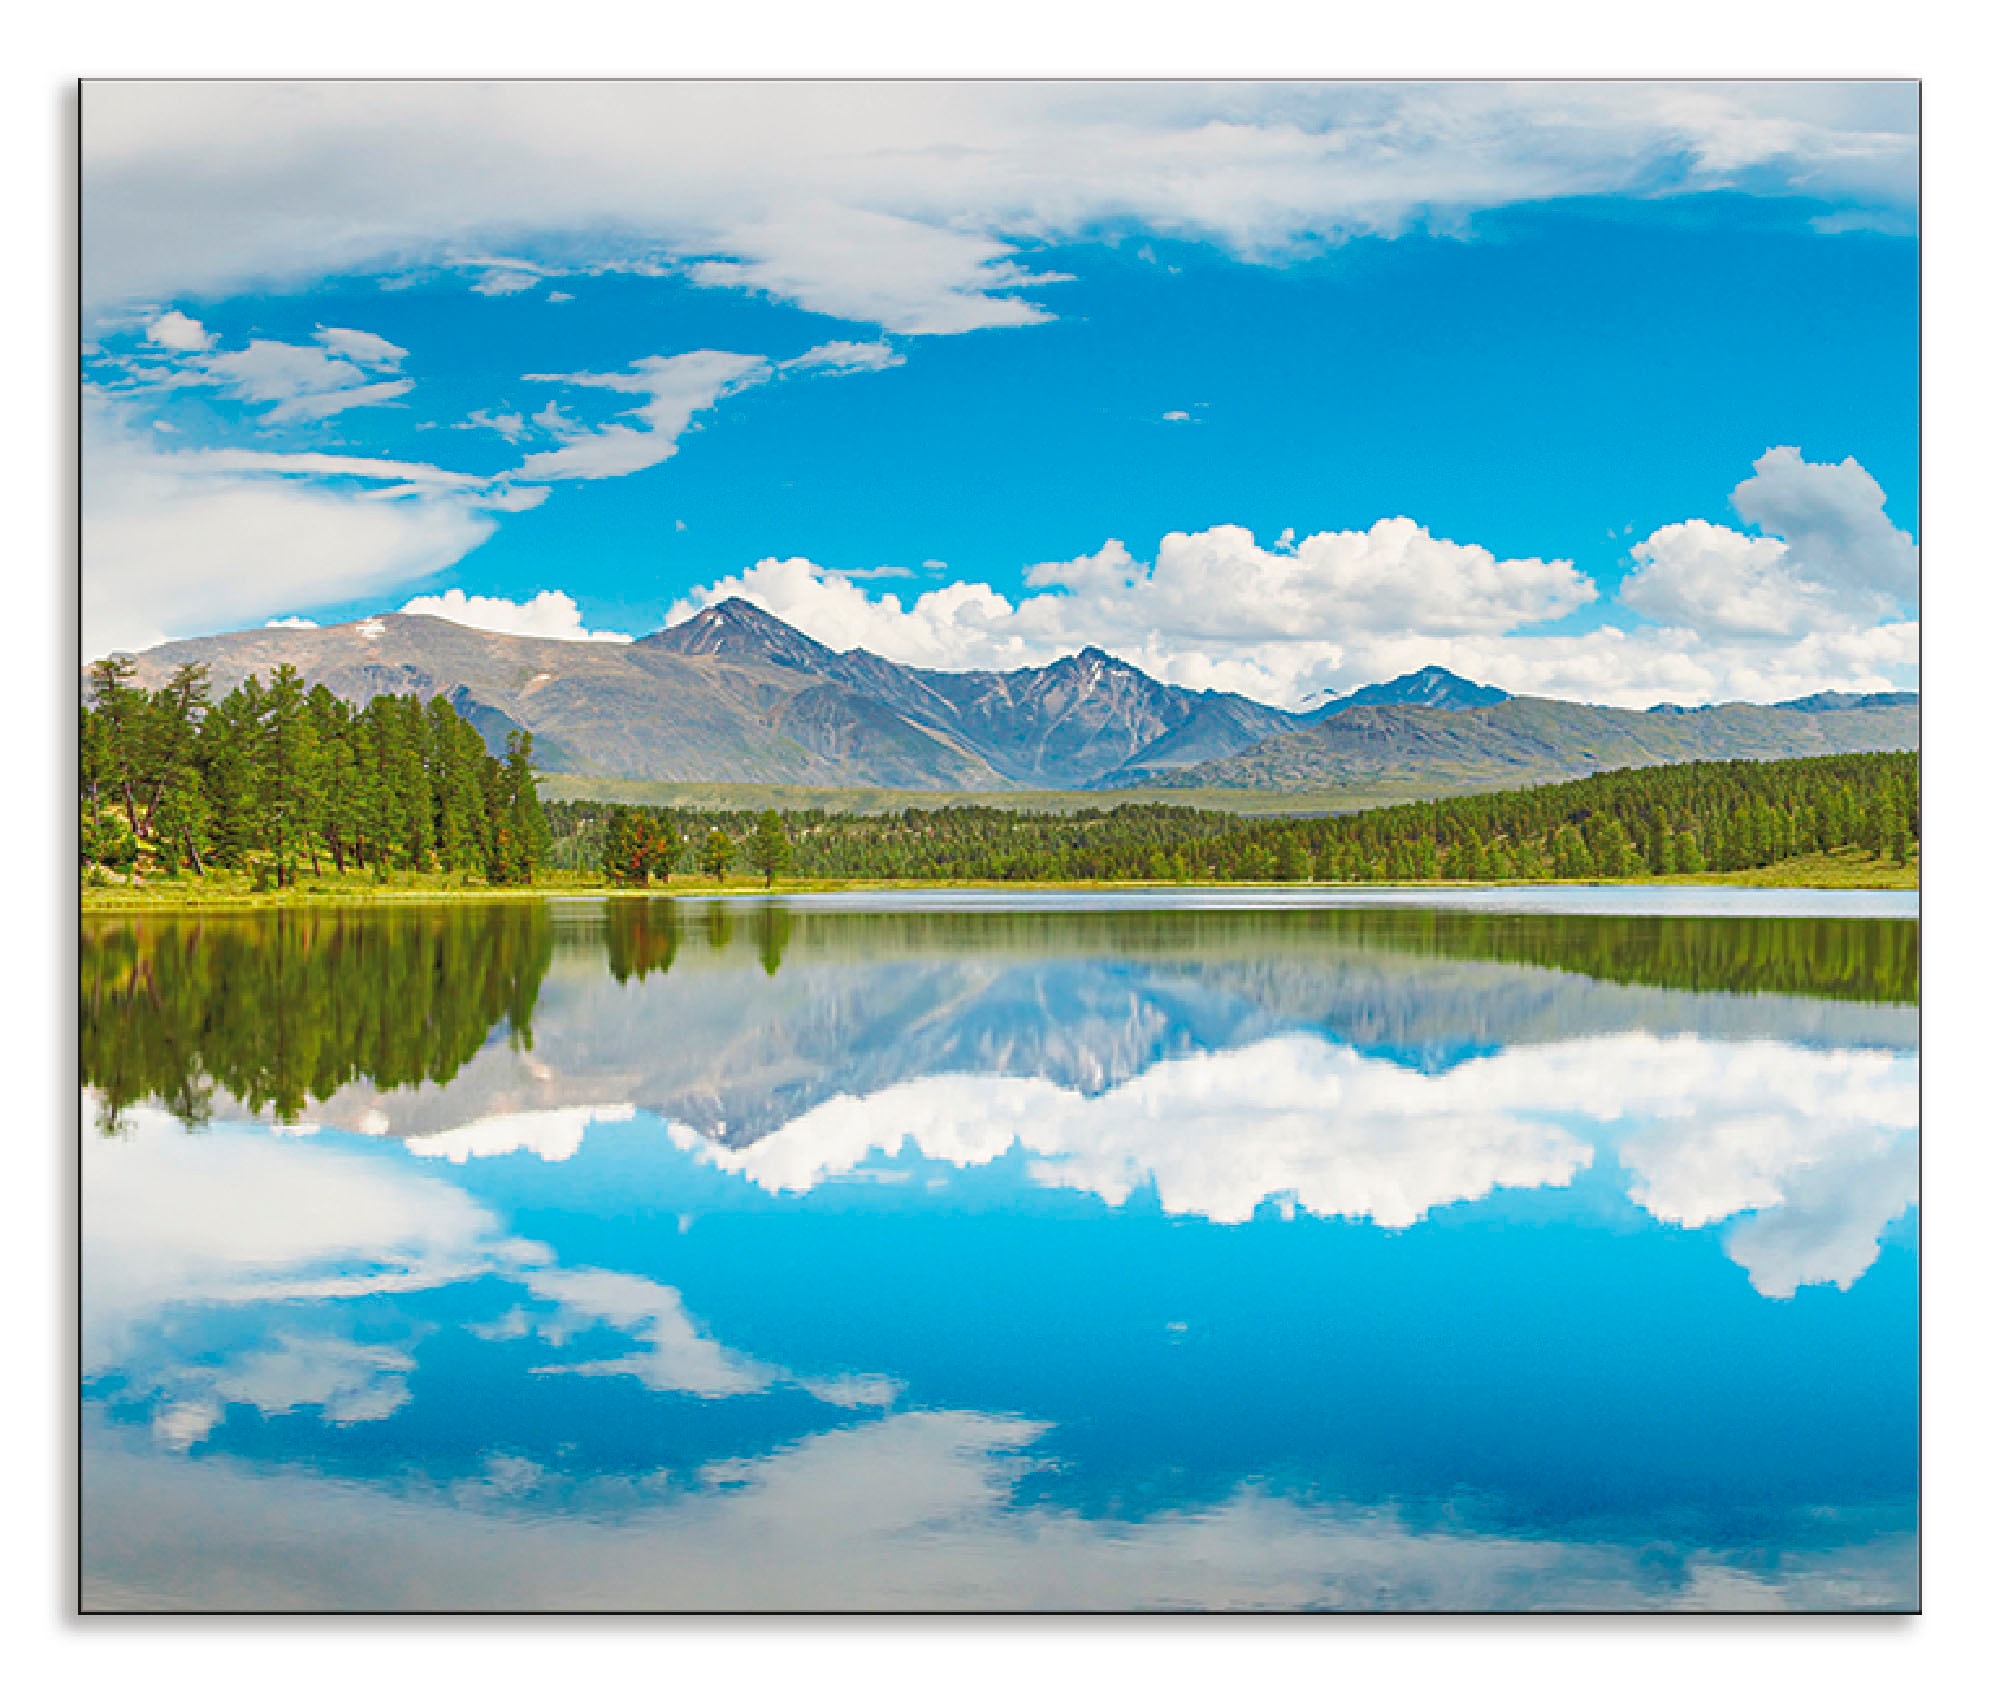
(1521, 741)
(736, 695)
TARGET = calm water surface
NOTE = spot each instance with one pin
(691, 1255)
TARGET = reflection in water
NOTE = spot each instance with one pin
(1361, 1259)
(283, 1008)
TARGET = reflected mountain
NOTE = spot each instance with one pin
(425, 1021)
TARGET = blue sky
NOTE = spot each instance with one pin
(1604, 392)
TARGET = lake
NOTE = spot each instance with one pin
(978, 1252)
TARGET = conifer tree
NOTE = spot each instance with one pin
(770, 847)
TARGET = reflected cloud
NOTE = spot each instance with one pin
(674, 1356)
(1215, 1134)
(552, 1136)
(1820, 1144)
(344, 1381)
(171, 1218)
(913, 1511)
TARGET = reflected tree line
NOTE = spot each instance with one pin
(280, 1009)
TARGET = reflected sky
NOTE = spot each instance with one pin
(1254, 1260)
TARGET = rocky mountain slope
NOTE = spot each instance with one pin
(1523, 741)
(734, 694)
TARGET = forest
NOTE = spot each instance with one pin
(1664, 820)
(278, 779)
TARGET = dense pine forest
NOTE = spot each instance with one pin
(280, 780)
(1667, 820)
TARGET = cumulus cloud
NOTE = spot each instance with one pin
(179, 333)
(553, 1136)
(180, 543)
(1818, 1145)
(907, 205)
(290, 623)
(551, 615)
(1828, 558)
(1214, 609)
(1817, 1154)
(1215, 1135)
(1755, 617)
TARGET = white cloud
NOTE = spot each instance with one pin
(233, 1218)
(907, 205)
(1829, 558)
(1832, 520)
(290, 623)
(1213, 610)
(184, 543)
(916, 279)
(1740, 616)
(1216, 1134)
(553, 1136)
(1820, 1145)
(1822, 1148)
(674, 1356)
(345, 1381)
(1175, 417)
(675, 389)
(362, 346)
(309, 382)
(506, 282)
(510, 426)
(915, 1511)
(179, 333)
(1702, 575)
(845, 358)
(551, 615)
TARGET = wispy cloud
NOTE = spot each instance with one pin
(918, 206)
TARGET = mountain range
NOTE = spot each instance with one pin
(734, 694)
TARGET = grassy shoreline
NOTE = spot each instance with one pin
(1846, 869)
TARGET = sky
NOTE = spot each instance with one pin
(1602, 391)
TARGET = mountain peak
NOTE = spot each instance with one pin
(1433, 685)
(734, 628)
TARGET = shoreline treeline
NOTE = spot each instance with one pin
(276, 779)
(1661, 820)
